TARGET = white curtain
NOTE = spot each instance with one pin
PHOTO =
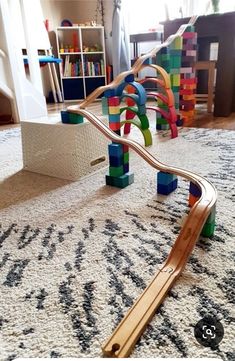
(120, 41)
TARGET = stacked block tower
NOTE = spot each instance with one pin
(169, 58)
(188, 80)
(175, 51)
(162, 59)
(119, 175)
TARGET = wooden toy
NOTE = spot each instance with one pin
(200, 217)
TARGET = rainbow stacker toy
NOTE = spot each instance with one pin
(202, 200)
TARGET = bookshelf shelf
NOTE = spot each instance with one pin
(83, 66)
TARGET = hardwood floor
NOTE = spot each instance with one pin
(202, 118)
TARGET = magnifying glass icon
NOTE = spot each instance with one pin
(209, 332)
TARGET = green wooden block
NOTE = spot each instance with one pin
(105, 107)
(175, 89)
(116, 171)
(120, 182)
(126, 157)
(190, 28)
(208, 229)
(177, 61)
(75, 118)
(161, 121)
(211, 218)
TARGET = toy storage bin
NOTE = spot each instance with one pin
(67, 151)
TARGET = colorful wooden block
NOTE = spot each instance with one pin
(115, 161)
(129, 78)
(167, 189)
(115, 149)
(114, 110)
(114, 118)
(126, 157)
(64, 116)
(75, 118)
(104, 103)
(165, 178)
(116, 171)
(121, 181)
(126, 167)
(194, 190)
(109, 93)
(113, 101)
(208, 230)
(115, 126)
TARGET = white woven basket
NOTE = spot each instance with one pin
(67, 151)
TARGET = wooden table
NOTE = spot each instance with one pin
(215, 28)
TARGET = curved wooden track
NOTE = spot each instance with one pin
(124, 338)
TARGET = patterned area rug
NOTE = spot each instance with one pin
(75, 255)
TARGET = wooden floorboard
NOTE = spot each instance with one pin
(201, 120)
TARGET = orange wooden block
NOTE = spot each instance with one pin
(189, 97)
(191, 86)
(192, 200)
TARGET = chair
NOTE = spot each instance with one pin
(209, 97)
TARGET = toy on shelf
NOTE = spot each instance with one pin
(201, 217)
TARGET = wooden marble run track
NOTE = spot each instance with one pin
(138, 65)
(127, 333)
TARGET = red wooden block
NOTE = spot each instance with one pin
(187, 91)
(189, 81)
(125, 148)
(113, 101)
(189, 35)
(114, 126)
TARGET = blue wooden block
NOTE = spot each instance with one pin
(126, 167)
(148, 61)
(116, 161)
(167, 189)
(179, 122)
(114, 118)
(109, 93)
(194, 190)
(64, 116)
(140, 91)
(115, 150)
(165, 178)
(129, 78)
(142, 109)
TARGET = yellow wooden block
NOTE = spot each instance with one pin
(176, 80)
(178, 43)
(114, 110)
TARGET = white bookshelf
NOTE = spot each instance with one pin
(83, 66)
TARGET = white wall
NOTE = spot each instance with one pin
(77, 11)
